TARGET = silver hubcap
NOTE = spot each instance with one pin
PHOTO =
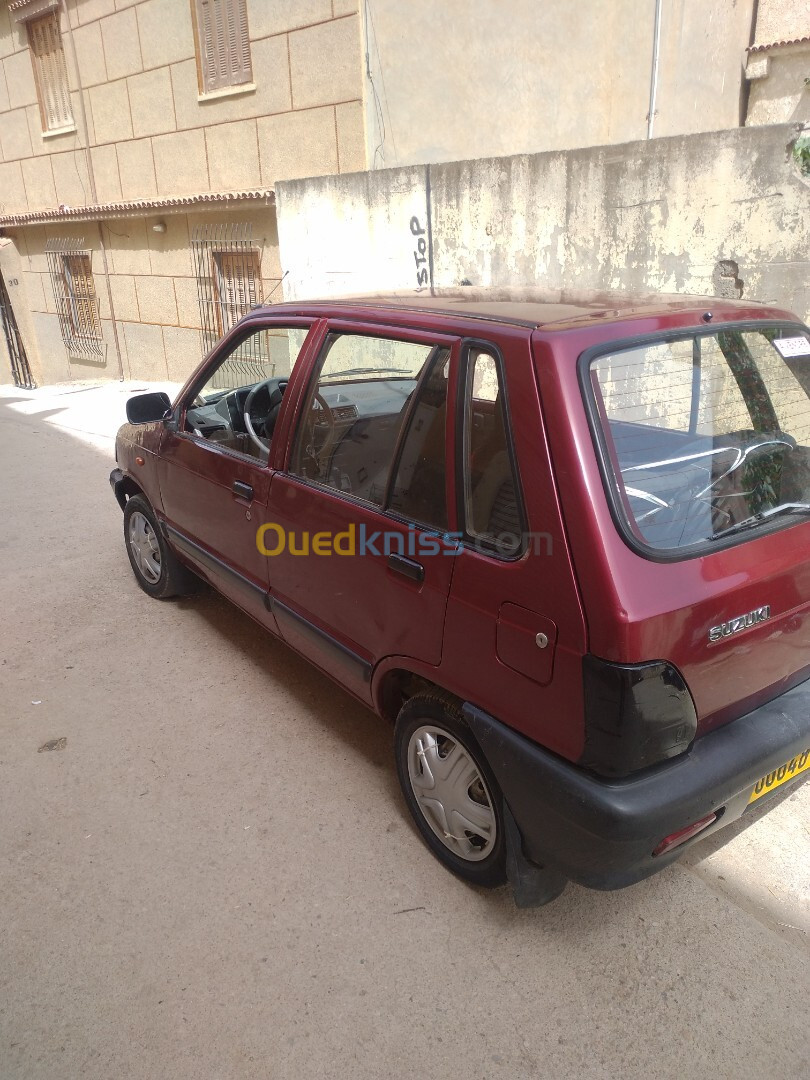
(451, 793)
(144, 547)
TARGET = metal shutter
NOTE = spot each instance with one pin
(74, 291)
(82, 290)
(223, 45)
(238, 285)
(50, 71)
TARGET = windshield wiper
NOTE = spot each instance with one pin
(366, 371)
(777, 511)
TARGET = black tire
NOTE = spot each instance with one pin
(485, 860)
(163, 575)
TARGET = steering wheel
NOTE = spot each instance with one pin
(262, 445)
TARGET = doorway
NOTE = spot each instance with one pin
(20, 368)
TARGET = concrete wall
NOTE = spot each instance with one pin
(723, 213)
(153, 288)
(149, 129)
(474, 78)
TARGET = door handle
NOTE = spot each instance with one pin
(409, 568)
(244, 491)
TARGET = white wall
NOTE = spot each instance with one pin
(652, 215)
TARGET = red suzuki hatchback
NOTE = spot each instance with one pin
(563, 542)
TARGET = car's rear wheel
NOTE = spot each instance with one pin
(450, 790)
(157, 569)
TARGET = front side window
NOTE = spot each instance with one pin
(491, 501)
(373, 426)
(223, 44)
(237, 405)
(706, 435)
(50, 72)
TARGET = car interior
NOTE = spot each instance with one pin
(241, 419)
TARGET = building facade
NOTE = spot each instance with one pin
(778, 68)
(141, 143)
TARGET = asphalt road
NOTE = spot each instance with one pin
(216, 878)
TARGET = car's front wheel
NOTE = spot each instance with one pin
(157, 569)
(450, 790)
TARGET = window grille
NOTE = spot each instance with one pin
(50, 71)
(227, 266)
(223, 44)
(74, 292)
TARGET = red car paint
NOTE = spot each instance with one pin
(638, 609)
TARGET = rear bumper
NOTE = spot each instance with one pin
(601, 833)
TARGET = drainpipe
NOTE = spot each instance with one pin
(93, 193)
(654, 73)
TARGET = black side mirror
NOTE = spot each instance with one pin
(147, 408)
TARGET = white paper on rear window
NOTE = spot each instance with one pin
(793, 346)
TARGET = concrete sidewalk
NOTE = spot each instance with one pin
(217, 877)
(92, 412)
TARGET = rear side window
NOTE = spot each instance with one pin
(373, 427)
(706, 435)
(492, 516)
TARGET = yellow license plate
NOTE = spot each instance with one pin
(791, 769)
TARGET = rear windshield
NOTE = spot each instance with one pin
(708, 435)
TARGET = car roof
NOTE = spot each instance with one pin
(527, 306)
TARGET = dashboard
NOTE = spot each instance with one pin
(222, 415)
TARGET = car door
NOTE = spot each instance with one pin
(359, 557)
(514, 616)
(213, 473)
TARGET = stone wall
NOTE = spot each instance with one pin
(721, 213)
(152, 133)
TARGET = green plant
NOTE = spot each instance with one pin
(801, 153)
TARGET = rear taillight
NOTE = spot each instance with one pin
(636, 715)
(682, 835)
